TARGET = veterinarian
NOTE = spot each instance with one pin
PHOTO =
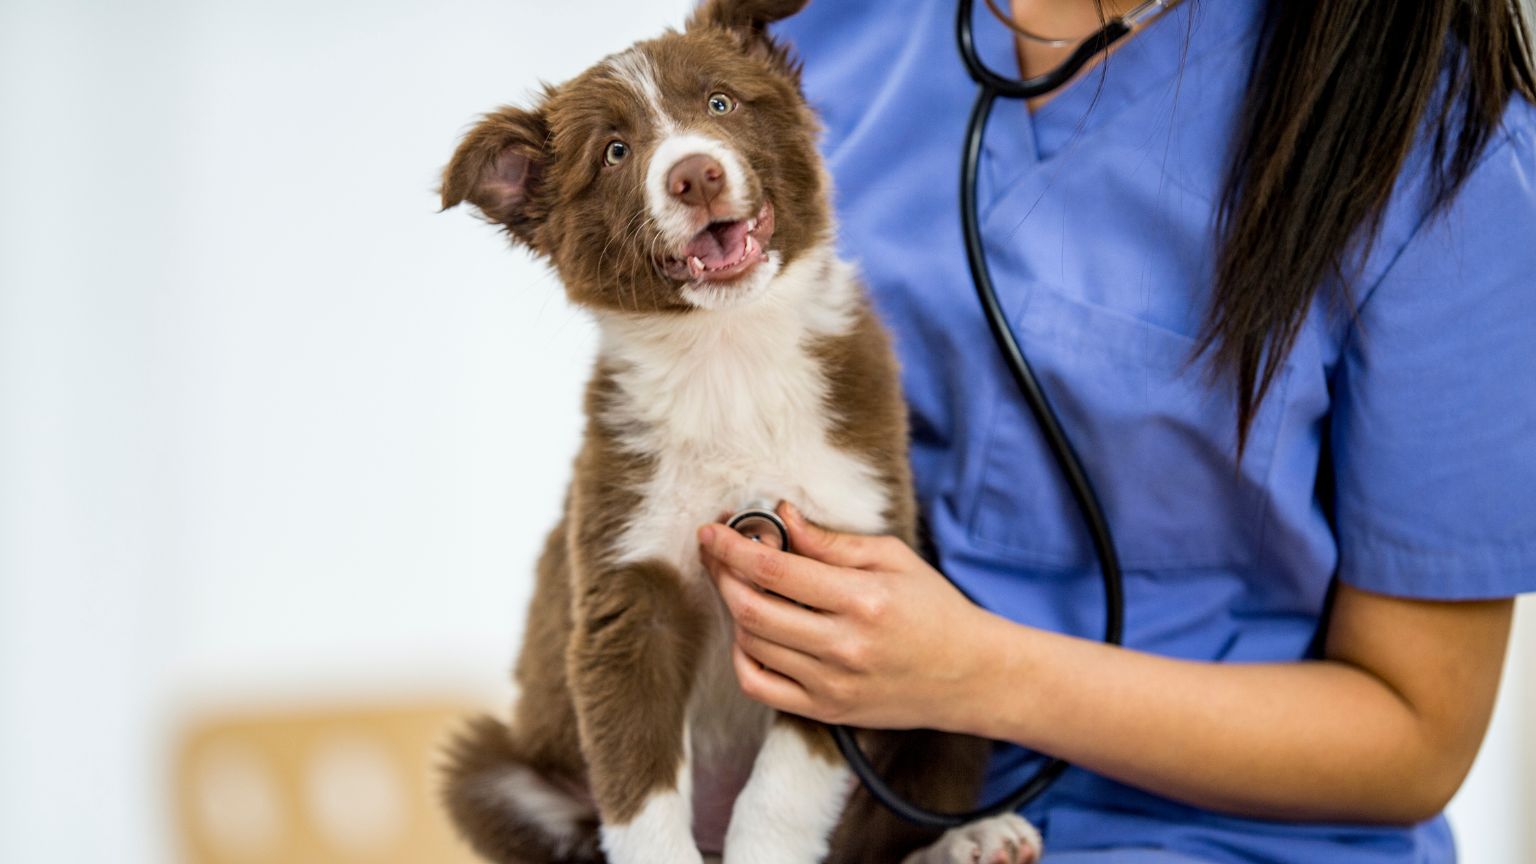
(1275, 265)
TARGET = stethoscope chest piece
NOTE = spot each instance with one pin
(761, 526)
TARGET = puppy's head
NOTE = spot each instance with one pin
(681, 173)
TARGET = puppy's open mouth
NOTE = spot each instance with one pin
(723, 251)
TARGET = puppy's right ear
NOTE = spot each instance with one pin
(499, 167)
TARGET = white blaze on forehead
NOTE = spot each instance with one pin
(634, 68)
(677, 221)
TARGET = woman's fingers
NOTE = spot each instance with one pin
(819, 691)
(767, 686)
(798, 666)
(798, 578)
(771, 617)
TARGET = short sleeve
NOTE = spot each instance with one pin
(1434, 424)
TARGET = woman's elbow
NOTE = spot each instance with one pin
(1422, 791)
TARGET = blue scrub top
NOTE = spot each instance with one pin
(1098, 216)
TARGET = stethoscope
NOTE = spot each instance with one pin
(763, 525)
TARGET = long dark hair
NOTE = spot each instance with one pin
(1340, 92)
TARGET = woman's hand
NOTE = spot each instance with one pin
(857, 630)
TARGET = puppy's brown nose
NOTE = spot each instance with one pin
(696, 180)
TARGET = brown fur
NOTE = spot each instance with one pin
(477, 759)
(631, 664)
(610, 651)
(868, 413)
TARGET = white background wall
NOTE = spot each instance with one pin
(270, 427)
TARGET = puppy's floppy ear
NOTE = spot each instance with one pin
(749, 20)
(499, 167)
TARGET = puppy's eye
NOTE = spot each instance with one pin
(719, 103)
(616, 152)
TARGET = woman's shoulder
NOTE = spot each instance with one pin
(1496, 198)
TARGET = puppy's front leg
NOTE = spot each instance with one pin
(791, 803)
(631, 668)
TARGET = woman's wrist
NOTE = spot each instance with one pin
(997, 659)
(1022, 679)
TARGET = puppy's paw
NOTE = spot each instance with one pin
(1004, 839)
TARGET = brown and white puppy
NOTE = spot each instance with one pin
(676, 189)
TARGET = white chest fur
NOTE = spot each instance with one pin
(732, 407)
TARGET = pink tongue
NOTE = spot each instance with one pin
(718, 245)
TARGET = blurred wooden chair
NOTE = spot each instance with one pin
(344, 786)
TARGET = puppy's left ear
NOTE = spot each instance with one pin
(749, 20)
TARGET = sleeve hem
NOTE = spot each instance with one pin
(1385, 565)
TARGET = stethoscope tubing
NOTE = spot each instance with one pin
(1040, 85)
(992, 86)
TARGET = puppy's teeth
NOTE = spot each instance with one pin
(751, 225)
(695, 266)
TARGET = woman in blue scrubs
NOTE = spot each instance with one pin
(1316, 619)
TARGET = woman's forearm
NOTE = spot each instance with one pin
(1297, 741)
(1323, 740)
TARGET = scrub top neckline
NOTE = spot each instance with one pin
(1142, 64)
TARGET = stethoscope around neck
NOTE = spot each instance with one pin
(992, 86)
